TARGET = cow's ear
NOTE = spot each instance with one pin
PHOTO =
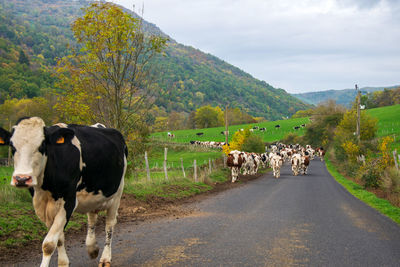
(60, 136)
(4, 137)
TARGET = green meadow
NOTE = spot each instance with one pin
(388, 122)
(214, 134)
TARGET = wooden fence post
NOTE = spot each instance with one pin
(183, 169)
(195, 171)
(147, 166)
(209, 166)
(165, 163)
(224, 160)
(395, 160)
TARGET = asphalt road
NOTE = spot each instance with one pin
(291, 221)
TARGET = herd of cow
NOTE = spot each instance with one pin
(298, 156)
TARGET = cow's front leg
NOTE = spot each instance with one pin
(91, 244)
(63, 260)
(53, 236)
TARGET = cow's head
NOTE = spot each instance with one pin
(29, 140)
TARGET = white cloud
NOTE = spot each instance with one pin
(302, 45)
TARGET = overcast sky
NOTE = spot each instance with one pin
(297, 45)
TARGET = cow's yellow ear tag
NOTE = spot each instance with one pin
(60, 140)
(1, 140)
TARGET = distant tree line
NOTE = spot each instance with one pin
(203, 117)
(383, 98)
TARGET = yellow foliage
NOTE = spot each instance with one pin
(238, 139)
(351, 149)
(226, 149)
(384, 147)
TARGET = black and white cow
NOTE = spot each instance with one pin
(69, 168)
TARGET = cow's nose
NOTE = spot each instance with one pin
(22, 180)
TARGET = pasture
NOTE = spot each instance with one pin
(271, 133)
(388, 122)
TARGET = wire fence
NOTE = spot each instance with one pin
(196, 167)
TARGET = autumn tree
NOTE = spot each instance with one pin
(208, 116)
(325, 118)
(345, 141)
(109, 78)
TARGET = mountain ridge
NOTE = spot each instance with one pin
(342, 96)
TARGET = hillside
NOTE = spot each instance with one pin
(343, 97)
(188, 77)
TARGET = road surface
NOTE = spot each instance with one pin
(291, 221)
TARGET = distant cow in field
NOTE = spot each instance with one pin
(263, 129)
(277, 126)
(296, 127)
(199, 134)
(69, 168)
(303, 125)
(255, 128)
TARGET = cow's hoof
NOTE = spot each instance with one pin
(93, 252)
(105, 264)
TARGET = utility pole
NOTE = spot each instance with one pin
(226, 124)
(358, 102)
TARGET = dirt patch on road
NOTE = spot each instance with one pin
(130, 210)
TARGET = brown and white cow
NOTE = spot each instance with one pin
(69, 168)
(321, 153)
(235, 161)
(305, 161)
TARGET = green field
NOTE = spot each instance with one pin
(388, 122)
(214, 134)
(187, 153)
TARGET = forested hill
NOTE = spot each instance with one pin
(343, 97)
(33, 33)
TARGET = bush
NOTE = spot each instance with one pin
(371, 173)
(253, 143)
(292, 138)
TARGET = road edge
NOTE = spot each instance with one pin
(383, 206)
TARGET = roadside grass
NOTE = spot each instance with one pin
(214, 134)
(382, 205)
(176, 187)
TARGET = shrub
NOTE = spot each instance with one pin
(371, 173)
(292, 138)
(254, 143)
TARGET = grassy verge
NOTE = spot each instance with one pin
(176, 187)
(369, 198)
